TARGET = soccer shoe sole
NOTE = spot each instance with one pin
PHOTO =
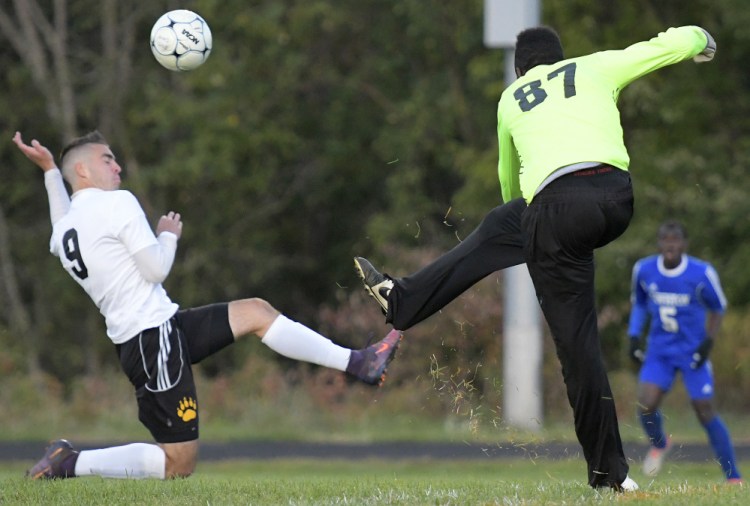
(372, 293)
(390, 358)
(43, 472)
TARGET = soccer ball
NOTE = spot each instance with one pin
(181, 40)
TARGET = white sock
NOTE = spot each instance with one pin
(294, 340)
(135, 461)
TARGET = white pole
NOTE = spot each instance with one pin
(522, 352)
(522, 330)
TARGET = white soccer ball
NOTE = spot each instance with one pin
(181, 40)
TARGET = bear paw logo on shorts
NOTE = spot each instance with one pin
(188, 409)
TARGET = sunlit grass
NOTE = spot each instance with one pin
(378, 482)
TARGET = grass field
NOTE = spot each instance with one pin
(521, 482)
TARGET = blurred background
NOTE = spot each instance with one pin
(323, 129)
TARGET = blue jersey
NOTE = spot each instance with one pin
(676, 302)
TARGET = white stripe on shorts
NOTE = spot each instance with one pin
(163, 381)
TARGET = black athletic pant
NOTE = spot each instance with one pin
(562, 226)
(556, 236)
(494, 245)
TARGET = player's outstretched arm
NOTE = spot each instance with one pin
(35, 152)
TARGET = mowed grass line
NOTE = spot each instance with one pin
(377, 482)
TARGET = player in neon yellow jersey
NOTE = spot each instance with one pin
(563, 170)
(560, 114)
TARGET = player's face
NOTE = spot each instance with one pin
(104, 171)
(672, 246)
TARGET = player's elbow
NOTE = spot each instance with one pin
(153, 272)
(155, 277)
(153, 263)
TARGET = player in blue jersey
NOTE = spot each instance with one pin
(682, 298)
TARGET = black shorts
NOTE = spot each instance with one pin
(158, 363)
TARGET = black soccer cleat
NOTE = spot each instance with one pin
(376, 284)
(58, 462)
(372, 366)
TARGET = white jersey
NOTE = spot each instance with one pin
(96, 240)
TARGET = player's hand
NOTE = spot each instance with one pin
(700, 355)
(708, 53)
(37, 153)
(636, 353)
(170, 222)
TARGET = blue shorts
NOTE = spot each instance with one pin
(662, 369)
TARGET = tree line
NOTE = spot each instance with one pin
(321, 130)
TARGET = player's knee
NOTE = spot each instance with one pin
(180, 466)
(180, 470)
(254, 305)
(181, 459)
(649, 398)
(645, 409)
(263, 305)
(251, 316)
(261, 310)
(648, 406)
(704, 410)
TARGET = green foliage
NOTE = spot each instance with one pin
(323, 129)
(731, 359)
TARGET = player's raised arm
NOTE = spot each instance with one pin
(59, 200)
(667, 48)
(40, 155)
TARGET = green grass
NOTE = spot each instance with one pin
(376, 482)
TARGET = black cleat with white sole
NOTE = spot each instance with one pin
(377, 285)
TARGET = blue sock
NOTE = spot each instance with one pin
(718, 436)
(652, 425)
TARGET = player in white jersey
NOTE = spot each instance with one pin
(681, 300)
(105, 242)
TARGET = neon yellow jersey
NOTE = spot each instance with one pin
(565, 113)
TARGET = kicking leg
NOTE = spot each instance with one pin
(296, 341)
(494, 245)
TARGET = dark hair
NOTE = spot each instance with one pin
(90, 138)
(672, 227)
(537, 46)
